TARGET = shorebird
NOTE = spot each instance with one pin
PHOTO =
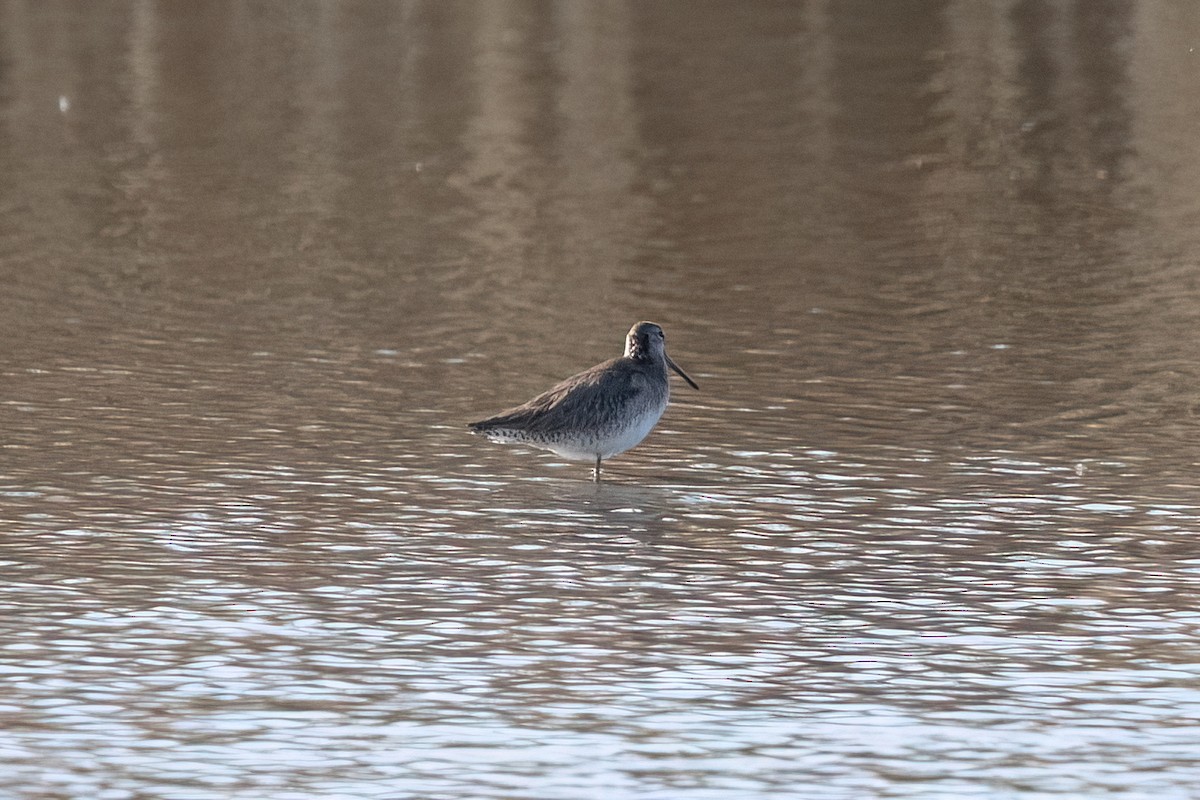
(600, 412)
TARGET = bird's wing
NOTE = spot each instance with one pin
(594, 394)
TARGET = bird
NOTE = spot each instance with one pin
(600, 412)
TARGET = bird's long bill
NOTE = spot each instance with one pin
(680, 372)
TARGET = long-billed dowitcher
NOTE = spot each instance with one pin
(600, 412)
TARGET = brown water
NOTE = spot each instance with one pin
(929, 529)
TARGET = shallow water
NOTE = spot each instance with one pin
(927, 530)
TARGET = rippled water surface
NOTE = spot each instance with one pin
(928, 530)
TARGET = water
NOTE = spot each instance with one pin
(927, 530)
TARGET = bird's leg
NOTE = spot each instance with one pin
(596, 471)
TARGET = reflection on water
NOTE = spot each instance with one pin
(789, 619)
(928, 530)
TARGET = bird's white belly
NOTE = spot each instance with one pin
(609, 444)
